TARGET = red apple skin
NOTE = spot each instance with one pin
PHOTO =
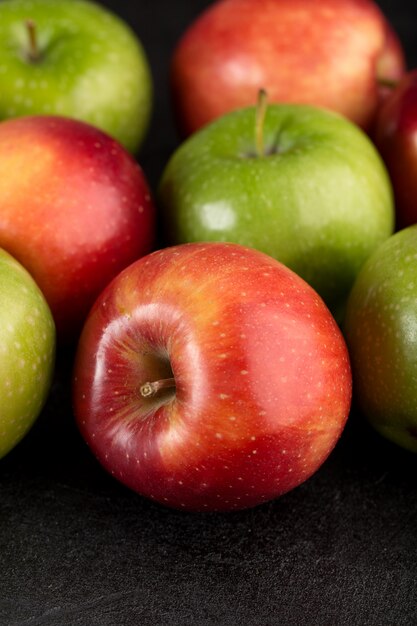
(75, 209)
(329, 53)
(396, 139)
(262, 373)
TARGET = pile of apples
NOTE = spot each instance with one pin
(214, 362)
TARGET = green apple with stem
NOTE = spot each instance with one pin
(74, 58)
(302, 184)
(381, 332)
(27, 350)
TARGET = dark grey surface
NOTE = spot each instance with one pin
(77, 548)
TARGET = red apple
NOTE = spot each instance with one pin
(396, 138)
(75, 209)
(331, 53)
(211, 377)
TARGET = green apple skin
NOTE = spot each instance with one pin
(319, 199)
(27, 352)
(381, 333)
(90, 66)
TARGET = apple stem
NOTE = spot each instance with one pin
(260, 122)
(33, 53)
(390, 83)
(150, 389)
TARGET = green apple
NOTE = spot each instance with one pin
(74, 58)
(381, 332)
(302, 184)
(27, 349)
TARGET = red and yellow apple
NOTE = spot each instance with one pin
(75, 209)
(211, 377)
(330, 53)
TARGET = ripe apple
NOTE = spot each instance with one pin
(75, 209)
(381, 332)
(211, 377)
(27, 350)
(76, 59)
(301, 184)
(395, 136)
(332, 53)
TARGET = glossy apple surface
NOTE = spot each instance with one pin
(317, 199)
(395, 136)
(27, 349)
(381, 331)
(75, 209)
(332, 53)
(86, 63)
(257, 370)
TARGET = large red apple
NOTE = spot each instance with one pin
(330, 53)
(211, 377)
(396, 138)
(75, 209)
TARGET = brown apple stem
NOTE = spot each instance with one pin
(33, 52)
(260, 122)
(150, 389)
(390, 83)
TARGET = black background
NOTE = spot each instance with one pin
(77, 548)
